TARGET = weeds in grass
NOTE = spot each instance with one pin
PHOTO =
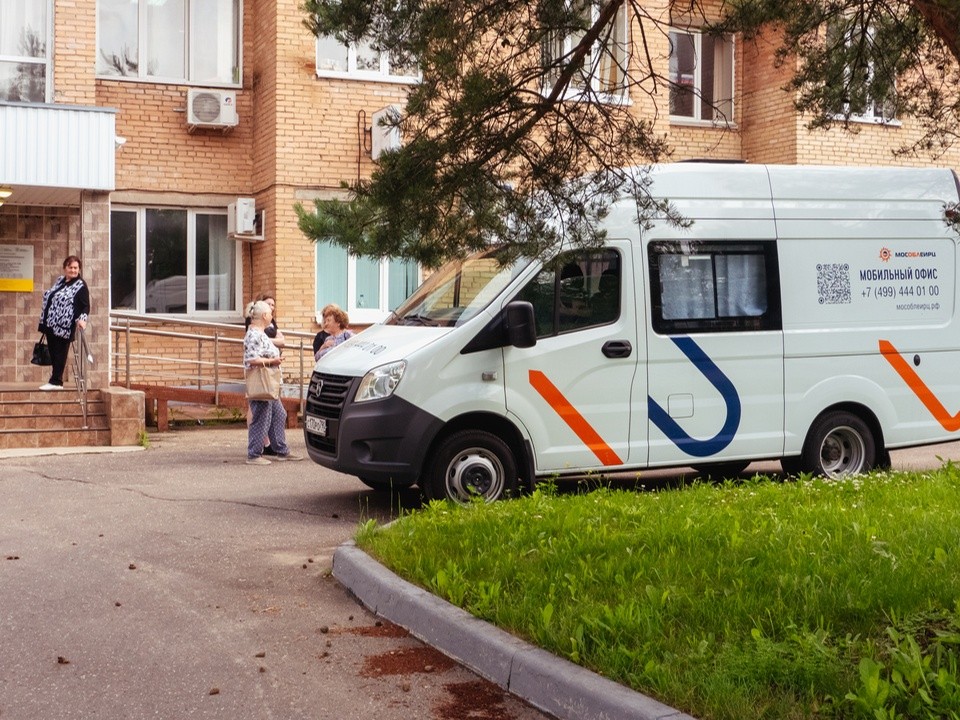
(810, 599)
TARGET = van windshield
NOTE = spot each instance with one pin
(457, 291)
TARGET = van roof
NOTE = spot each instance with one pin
(803, 182)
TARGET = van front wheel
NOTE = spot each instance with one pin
(839, 444)
(471, 465)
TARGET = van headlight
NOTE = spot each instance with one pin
(380, 382)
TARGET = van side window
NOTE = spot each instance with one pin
(580, 289)
(714, 286)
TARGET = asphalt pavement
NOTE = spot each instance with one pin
(178, 582)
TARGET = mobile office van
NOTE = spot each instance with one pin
(806, 313)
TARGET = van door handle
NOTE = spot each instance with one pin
(617, 348)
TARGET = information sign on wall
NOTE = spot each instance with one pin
(16, 268)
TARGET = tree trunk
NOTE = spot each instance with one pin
(944, 19)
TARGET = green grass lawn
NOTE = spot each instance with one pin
(762, 599)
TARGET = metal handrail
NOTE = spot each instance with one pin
(81, 358)
(213, 369)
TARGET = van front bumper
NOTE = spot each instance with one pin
(381, 440)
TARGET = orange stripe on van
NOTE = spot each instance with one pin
(555, 399)
(950, 423)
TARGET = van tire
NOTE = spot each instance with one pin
(471, 465)
(839, 444)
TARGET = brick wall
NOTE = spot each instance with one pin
(769, 125)
(300, 136)
(75, 51)
(162, 155)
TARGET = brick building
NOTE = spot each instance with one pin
(128, 128)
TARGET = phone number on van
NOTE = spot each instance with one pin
(891, 291)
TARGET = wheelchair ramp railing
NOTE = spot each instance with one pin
(199, 355)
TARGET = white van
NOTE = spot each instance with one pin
(807, 314)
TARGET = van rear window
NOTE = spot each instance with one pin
(714, 286)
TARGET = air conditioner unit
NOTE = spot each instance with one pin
(211, 108)
(384, 137)
(242, 217)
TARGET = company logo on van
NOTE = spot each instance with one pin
(887, 253)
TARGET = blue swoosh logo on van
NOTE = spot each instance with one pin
(670, 428)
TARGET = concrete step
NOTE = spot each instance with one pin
(10, 439)
(72, 420)
(31, 418)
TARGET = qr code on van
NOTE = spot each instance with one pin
(833, 283)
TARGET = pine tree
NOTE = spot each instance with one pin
(520, 132)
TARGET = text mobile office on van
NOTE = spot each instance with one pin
(807, 314)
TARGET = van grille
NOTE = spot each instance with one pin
(326, 397)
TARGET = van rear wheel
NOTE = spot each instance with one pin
(839, 444)
(471, 465)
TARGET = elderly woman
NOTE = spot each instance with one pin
(277, 338)
(335, 323)
(268, 418)
(66, 306)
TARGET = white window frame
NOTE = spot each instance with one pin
(46, 60)
(697, 90)
(188, 59)
(871, 117)
(382, 74)
(359, 315)
(576, 90)
(191, 250)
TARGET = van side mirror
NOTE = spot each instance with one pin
(521, 325)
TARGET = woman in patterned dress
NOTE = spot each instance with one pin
(66, 306)
(268, 418)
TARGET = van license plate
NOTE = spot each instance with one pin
(316, 425)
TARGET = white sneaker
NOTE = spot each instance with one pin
(258, 461)
(288, 456)
(49, 386)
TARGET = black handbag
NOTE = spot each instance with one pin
(41, 353)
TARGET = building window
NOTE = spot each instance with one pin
(699, 287)
(367, 289)
(360, 61)
(24, 54)
(701, 77)
(177, 40)
(173, 261)
(604, 68)
(859, 77)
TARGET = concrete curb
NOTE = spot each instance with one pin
(79, 450)
(549, 683)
